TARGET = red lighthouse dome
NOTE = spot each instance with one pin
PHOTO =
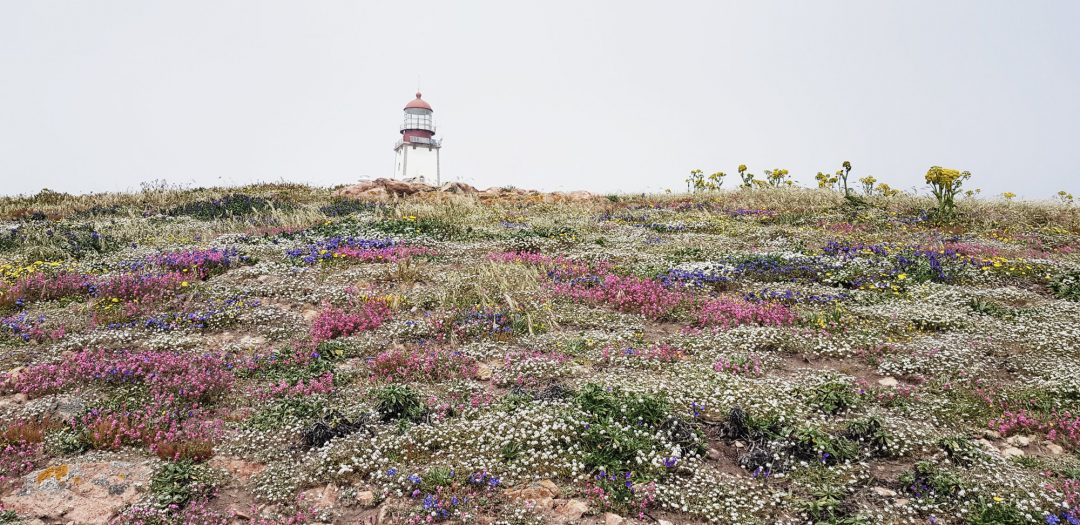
(418, 103)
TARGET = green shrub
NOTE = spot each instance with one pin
(1067, 286)
(346, 207)
(814, 444)
(621, 426)
(926, 480)
(423, 226)
(832, 397)
(288, 410)
(617, 405)
(996, 513)
(399, 403)
(870, 433)
(176, 483)
(233, 205)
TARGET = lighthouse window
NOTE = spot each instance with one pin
(418, 121)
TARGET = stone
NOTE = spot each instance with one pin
(739, 444)
(457, 187)
(365, 498)
(1055, 449)
(383, 187)
(613, 519)
(86, 493)
(713, 454)
(884, 492)
(991, 434)
(310, 314)
(664, 522)
(322, 498)
(1012, 452)
(1019, 441)
(571, 511)
(889, 382)
(483, 372)
(541, 493)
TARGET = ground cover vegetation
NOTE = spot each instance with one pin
(761, 353)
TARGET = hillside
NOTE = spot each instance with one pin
(288, 354)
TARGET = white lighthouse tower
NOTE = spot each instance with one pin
(417, 153)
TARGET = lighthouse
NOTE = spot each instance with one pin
(417, 153)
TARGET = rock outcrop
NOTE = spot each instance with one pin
(85, 493)
(389, 188)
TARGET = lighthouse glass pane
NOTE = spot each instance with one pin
(418, 122)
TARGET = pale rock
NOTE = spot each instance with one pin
(991, 434)
(739, 444)
(713, 454)
(541, 493)
(85, 493)
(889, 382)
(1055, 449)
(1012, 452)
(571, 511)
(324, 497)
(664, 522)
(613, 519)
(884, 492)
(483, 372)
(365, 498)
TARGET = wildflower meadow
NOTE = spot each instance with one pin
(753, 354)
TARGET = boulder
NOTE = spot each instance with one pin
(322, 497)
(1019, 441)
(459, 188)
(541, 493)
(483, 372)
(383, 188)
(613, 519)
(86, 493)
(884, 492)
(1012, 452)
(571, 511)
(889, 382)
(365, 498)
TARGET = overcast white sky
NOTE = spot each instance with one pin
(602, 96)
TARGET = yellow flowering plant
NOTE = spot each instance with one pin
(945, 184)
(776, 177)
(747, 177)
